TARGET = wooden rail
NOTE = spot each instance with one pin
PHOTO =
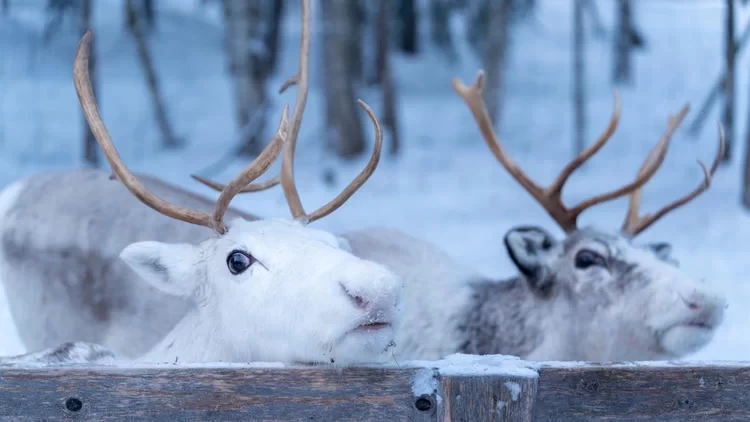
(459, 388)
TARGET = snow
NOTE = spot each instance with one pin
(463, 364)
(425, 382)
(446, 187)
(514, 388)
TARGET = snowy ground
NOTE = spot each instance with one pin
(446, 187)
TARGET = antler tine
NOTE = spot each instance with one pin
(259, 166)
(301, 80)
(551, 197)
(634, 224)
(634, 202)
(87, 99)
(652, 163)
(252, 187)
(473, 97)
(361, 178)
(557, 185)
(339, 200)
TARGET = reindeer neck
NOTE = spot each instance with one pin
(191, 340)
(503, 317)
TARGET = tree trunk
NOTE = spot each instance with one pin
(346, 137)
(579, 78)
(495, 53)
(621, 70)
(145, 10)
(90, 146)
(358, 18)
(273, 37)
(440, 13)
(245, 45)
(729, 56)
(149, 13)
(168, 138)
(383, 71)
(718, 85)
(596, 21)
(408, 26)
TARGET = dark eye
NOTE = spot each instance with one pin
(586, 258)
(239, 261)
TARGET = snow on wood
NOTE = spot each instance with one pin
(460, 387)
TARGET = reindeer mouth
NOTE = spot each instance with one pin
(373, 326)
(698, 324)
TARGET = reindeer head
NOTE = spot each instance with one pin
(610, 298)
(269, 289)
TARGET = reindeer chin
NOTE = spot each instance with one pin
(681, 340)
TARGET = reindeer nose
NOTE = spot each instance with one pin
(697, 302)
(359, 301)
(706, 305)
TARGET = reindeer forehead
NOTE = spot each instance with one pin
(586, 235)
(277, 230)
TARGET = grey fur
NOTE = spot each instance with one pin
(44, 268)
(67, 353)
(500, 319)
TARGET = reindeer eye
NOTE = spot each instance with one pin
(239, 261)
(586, 258)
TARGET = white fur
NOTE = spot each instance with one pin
(295, 304)
(435, 295)
(12, 343)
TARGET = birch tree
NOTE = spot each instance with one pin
(729, 85)
(90, 147)
(136, 27)
(621, 69)
(244, 35)
(494, 55)
(345, 130)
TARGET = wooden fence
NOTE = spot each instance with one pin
(459, 388)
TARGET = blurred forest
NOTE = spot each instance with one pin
(358, 40)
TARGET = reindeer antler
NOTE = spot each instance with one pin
(301, 80)
(635, 224)
(550, 197)
(215, 221)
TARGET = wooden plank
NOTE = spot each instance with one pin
(209, 393)
(488, 397)
(486, 388)
(681, 391)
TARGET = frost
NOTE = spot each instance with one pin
(515, 389)
(463, 364)
(425, 382)
(500, 406)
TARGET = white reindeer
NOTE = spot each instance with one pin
(594, 295)
(263, 290)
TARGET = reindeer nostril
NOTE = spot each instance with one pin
(359, 301)
(692, 304)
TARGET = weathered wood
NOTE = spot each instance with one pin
(191, 393)
(637, 393)
(488, 398)
(455, 389)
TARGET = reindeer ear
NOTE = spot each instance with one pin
(167, 266)
(344, 243)
(663, 251)
(531, 248)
